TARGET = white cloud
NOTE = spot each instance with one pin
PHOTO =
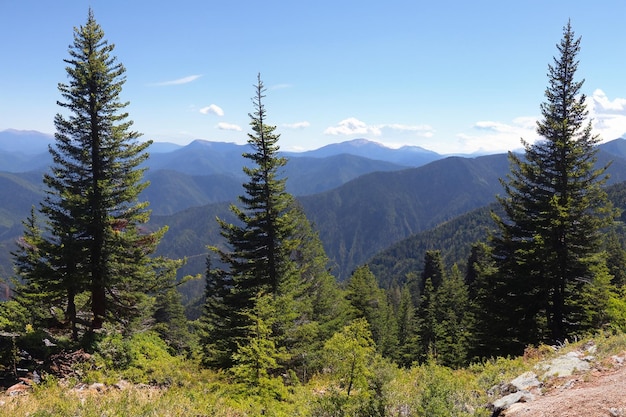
(608, 117)
(184, 80)
(600, 99)
(229, 126)
(297, 125)
(214, 109)
(494, 136)
(354, 126)
(425, 131)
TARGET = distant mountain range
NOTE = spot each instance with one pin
(202, 157)
(361, 197)
(204, 172)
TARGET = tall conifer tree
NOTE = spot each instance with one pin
(549, 239)
(260, 247)
(94, 239)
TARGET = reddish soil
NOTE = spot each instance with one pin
(597, 393)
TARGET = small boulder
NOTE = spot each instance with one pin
(526, 382)
(18, 389)
(507, 401)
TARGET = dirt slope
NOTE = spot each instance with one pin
(597, 393)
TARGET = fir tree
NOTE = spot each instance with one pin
(487, 305)
(30, 261)
(94, 239)
(555, 209)
(169, 312)
(259, 257)
(370, 302)
(433, 268)
(453, 320)
(406, 327)
(322, 308)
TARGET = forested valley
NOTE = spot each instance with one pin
(365, 299)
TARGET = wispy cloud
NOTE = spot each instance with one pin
(297, 125)
(354, 126)
(496, 136)
(212, 109)
(425, 131)
(608, 118)
(179, 81)
(229, 126)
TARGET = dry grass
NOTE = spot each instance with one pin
(195, 392)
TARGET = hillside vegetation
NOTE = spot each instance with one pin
(243, 312)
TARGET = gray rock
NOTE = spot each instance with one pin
(526, 382)
(565, 365)
(508, 400)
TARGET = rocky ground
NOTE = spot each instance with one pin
(573, 385)
(596, 394)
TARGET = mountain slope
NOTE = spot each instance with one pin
(314, 175)
(454, 239)
(172, 191)
(374, 211)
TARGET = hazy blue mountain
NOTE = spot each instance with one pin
(356, 220)
(172, 191)
(27, 150)
(410, 156)
(307, 175)
(163, 147)
(202, 157)
(615, 147)
(27, 142)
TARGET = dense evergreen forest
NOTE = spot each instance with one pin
(544, 264)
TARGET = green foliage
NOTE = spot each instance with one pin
(14, 317)
(169, 313)
(256, 362)
(271, 249)
(260, 244)
(142, 358)
(555, 212)
(375, 211)
(434, 390)
(453, 321)
(370, 302)
(94, 240)
(348, 355)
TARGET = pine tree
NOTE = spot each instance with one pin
(555, 209)
(321, 306)
(453, 320)
(370, 302)
(259, 257)
(30, 260)
(488, 306)
(406, 328)
(423, 343)
(256, 362)
(95, 241)
(433, 268)
(169, 312)
(349, 354)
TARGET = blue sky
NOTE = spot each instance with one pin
(450, 76)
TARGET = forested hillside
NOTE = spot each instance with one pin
(282, 314)
(454, 239)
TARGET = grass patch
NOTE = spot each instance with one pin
(159, 384)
